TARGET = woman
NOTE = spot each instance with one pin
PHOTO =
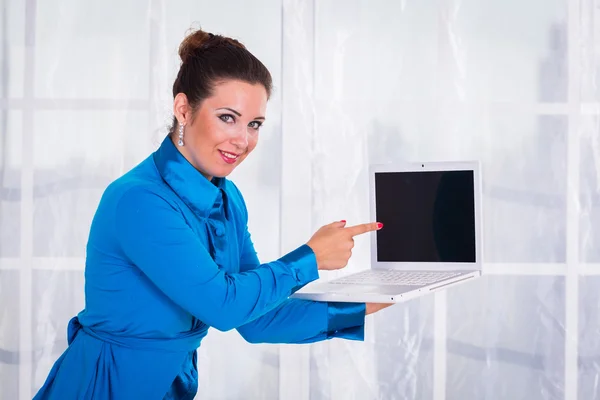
(169, 254)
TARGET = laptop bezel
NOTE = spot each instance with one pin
(430, 166)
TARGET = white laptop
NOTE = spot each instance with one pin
(431, 237)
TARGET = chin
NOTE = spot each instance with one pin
(223, 172)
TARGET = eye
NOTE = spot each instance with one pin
(227, 118)
(255, 125)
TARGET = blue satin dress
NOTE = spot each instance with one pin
(168, 256)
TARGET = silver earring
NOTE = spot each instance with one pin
(180, 142)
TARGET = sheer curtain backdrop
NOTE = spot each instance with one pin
(85, 95)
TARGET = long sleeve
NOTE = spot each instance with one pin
(301, 321)
(154, 236)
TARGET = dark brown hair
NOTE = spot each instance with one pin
(207, 59)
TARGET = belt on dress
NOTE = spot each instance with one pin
(188, 341)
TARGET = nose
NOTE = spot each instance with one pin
(240, 139)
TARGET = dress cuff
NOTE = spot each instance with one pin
(346, 320)
(303, 263)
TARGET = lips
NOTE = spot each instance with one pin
(229, 158)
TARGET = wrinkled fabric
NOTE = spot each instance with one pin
(168, 256)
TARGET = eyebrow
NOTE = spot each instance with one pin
(236, 112)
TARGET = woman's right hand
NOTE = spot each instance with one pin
(333, 243)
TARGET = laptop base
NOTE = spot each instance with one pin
(377, 293)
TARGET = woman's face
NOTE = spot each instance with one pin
(224, 129)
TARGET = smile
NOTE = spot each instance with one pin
(229, 158)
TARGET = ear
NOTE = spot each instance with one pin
(181, 108)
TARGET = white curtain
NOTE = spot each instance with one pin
(85, 95)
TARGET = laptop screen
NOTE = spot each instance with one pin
(427, 216)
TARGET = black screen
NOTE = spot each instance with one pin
(427, 216)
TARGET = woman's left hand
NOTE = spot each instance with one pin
(374, 307)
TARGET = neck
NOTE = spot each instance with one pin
(186, 154)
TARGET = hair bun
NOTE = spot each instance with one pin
(192, 43)
(199, 40)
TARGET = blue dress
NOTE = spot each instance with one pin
(168, 256)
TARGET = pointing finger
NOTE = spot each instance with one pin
(364, 228)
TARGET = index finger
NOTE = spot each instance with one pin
(363, 228)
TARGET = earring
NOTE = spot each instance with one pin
(180, 142)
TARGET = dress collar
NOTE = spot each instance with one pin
(187, 182)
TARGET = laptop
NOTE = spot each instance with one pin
(430, 240)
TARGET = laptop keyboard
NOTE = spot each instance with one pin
(408, 278)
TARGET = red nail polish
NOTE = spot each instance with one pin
(344, 221)
(379, 225)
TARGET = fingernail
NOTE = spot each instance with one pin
(344, 221)
(379, 225)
